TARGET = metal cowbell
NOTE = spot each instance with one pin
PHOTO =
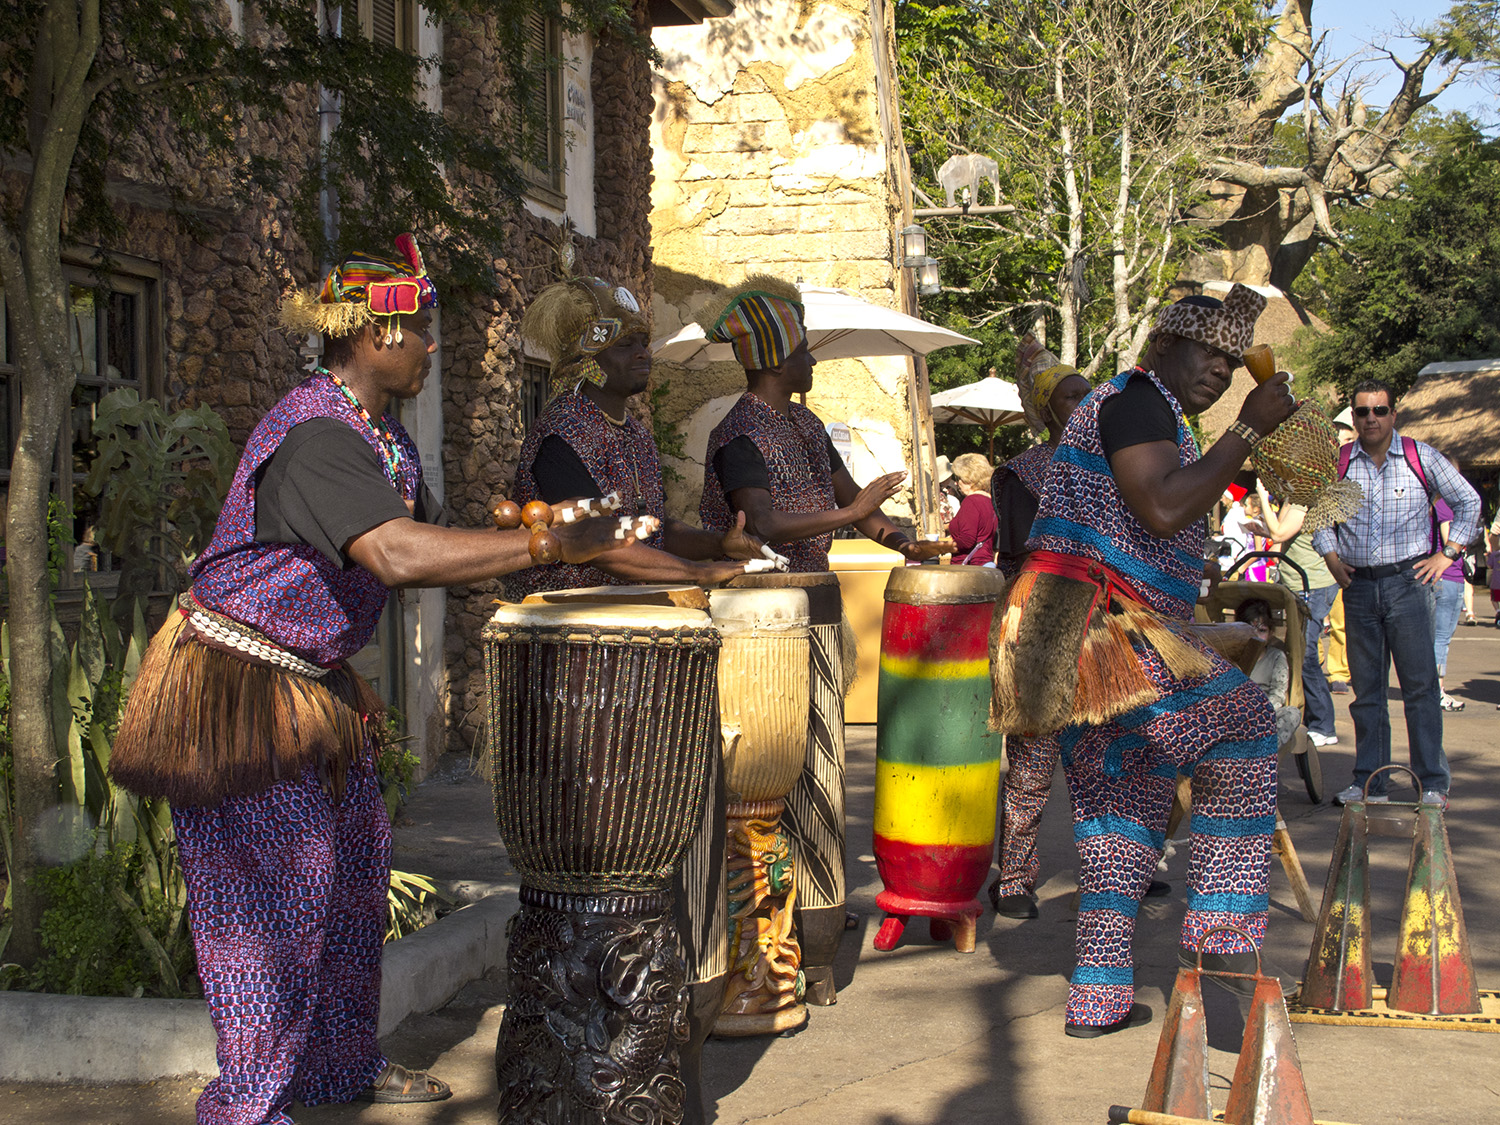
(1179, 1077)
(1268, 1087)
(1434, 970)
(1338, 969)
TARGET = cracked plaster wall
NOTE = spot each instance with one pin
(769, 156)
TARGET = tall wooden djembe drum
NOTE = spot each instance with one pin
(603, 725)
(763, 699)
(814, 815)
(937, 765)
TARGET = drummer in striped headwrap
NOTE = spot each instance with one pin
(770, 459)
(246, 715)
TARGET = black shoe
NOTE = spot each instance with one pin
(1339, 687)
(1138, 1015)
(1021, 905)
(1243, 963)
(1157, 889)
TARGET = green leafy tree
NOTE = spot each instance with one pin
(1101, 118)
(1416, 278)
(170, 94)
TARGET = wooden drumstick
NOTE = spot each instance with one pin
(1261, 362)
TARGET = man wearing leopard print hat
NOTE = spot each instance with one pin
(1091, 649)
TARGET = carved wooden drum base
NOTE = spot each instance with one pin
(597, 1011)
(764, 992)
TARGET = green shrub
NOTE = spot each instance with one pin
(100, 939)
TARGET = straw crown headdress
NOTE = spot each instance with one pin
(360, 290)
(1038, 372)
(572, 321)
(762, 319)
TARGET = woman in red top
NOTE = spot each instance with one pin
(973, 529)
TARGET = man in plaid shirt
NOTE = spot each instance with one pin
(1387, 557)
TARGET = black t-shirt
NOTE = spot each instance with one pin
(324, 486)
(560, 473)
(740, 465)
(1137, 415)
(1016, 507)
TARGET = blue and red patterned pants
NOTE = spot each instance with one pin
(1028, 781)
(1121, 776)
(287, 900)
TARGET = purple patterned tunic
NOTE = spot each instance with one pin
(620, 458)
(796, 456)
(292, 593)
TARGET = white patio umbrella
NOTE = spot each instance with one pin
(839, 326)
(989, 404)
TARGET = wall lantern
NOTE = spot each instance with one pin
(913, 246)
(928, 281)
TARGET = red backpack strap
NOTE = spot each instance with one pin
(1345, 452)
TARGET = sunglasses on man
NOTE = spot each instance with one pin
(1366, 411)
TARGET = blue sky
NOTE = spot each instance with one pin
(1352, 23)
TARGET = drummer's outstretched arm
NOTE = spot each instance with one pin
(877, 527)
(691, 542)
(403, 552)
(639, 563)
(764, 520)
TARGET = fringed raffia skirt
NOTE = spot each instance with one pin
(206, 720)
(1063, 648)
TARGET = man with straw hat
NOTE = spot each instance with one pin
(770, 459)
(586, 444)
(1091, 648)
(246, 715)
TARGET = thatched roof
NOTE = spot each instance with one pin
(1282, 317)
(1455, 408)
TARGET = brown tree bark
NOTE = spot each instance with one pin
(37, 300)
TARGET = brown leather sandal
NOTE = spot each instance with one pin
(397, 1085)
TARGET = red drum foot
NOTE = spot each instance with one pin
(940, 929)
(890, 932)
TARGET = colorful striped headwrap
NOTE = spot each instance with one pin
(359, 289)
(763, 320)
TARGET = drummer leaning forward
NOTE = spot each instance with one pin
(247, 717)
(1099, 614)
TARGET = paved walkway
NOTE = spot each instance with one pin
(927, 1036)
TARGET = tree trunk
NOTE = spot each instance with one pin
(37, 301)
(1068, 295)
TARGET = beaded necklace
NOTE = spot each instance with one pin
(390, 452)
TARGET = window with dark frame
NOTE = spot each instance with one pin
(544, 48)
(535, 376)
(114, 325)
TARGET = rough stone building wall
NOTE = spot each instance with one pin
(482, 379)
(770, 157)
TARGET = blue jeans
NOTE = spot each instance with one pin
(1317, 698)
(1390, 620)
(1450, 603)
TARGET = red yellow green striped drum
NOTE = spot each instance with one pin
(937, 766)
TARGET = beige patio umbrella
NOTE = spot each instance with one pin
(988, 404)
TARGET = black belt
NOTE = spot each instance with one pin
(1388, 570)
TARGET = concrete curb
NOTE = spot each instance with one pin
(115, 1039)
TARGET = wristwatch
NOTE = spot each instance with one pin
(1450, 552)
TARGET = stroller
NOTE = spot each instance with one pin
(1289, 630)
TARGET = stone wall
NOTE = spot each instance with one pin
(481, 388)
(770, 156)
